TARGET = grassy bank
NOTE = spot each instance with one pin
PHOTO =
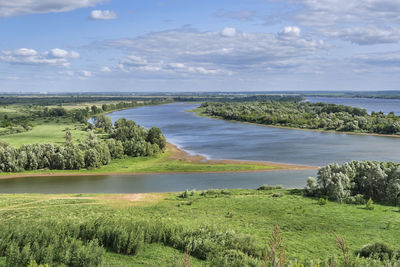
(173, 160)
(307, 228)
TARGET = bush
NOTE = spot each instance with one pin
(356, 200)
(269, 187)
(376, 250)
(370, 204)
(322, 201)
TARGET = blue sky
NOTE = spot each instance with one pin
(182, 45)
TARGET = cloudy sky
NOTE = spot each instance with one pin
(209, 45)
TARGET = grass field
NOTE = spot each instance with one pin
(52, 131)
(307, 228)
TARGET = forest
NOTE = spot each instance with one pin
(305, 115)
(124, 138)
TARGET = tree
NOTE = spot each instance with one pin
(155, 136)
(68, 136)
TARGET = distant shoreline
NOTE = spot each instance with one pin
(201, 114)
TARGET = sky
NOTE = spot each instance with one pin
(68, 46)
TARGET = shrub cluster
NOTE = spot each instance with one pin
(356, 181)
(83, 244)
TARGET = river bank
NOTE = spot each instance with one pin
(199, 112)
(173, 160)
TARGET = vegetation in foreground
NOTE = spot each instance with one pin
(305, 115)
(212, 227)
(358, 181)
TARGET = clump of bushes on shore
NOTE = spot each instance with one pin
(357, 181)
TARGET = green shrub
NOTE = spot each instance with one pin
(378, 250)
(269, 187)
(370, 204)
(358, 199)
(322, 201)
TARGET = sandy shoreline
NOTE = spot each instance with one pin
(178, 154)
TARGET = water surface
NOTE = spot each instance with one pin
(370, 104)
(152, 182)
(219, 139)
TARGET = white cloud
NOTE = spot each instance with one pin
(368, 35)
(22, 7)
(22, 52)
(366, 22)
(26, 56)
(228, 32)
(84, 74)
(105, 69)
(189, 52)
(290, 32)
(61, 53)
(102, 15)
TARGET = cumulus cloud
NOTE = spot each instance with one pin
(84, 74)
(290, 32)
(102, 15)
(22, 7)
(228, 32)
(188, 52)
(26, 56)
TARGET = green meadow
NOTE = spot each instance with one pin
(307, 228)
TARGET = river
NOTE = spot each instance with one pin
(218, 139)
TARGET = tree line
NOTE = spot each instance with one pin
(357, 181)
(36, 112)
(125, 137)
(306, 115)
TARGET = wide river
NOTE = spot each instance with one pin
(218, 139)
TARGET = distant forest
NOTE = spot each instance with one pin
(319, 116)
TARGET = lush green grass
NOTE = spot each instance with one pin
(152, 255)
(307, 228)
(52, 131)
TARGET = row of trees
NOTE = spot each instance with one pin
(357, 180)
(125, 138)
(82, 114)
(306, 115)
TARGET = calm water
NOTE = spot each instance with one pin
(153, 183)
(370, 104)
(218, 139)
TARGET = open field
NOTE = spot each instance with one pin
(307, 228)
(52, 131)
